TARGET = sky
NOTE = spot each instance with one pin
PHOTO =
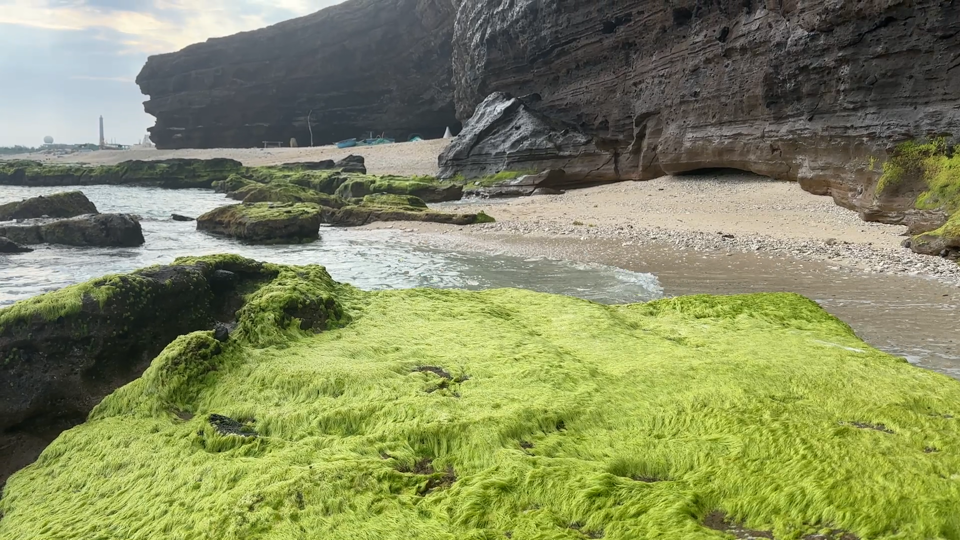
(63, 63)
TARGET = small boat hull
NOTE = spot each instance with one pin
(347, 143)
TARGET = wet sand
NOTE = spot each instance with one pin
(909, 316)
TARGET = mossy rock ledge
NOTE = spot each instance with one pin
(330, 412)
(168, 173)
(57, 205)
(264, 223)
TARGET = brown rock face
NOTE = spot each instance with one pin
(806, 90)
(364, 65)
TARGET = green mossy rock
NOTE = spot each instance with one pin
(928, 173)
(58, 205)
(264, 223)
(170, 173)
(409, 202)
(498, 414)
(365, 214)
(284, 193)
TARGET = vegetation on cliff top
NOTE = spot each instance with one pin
(550, 417)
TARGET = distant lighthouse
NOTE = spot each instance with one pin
(103, 142)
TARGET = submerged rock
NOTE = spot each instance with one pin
(96, 230)
(586, 412)
(58, 205)
(9, 246)
(178, 217)
(264, 223)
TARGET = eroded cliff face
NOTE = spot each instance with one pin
(808, 90)
(364, 65)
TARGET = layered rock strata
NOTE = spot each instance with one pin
(810, 91)
(358, 67)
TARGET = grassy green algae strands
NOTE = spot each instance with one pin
(506, 413)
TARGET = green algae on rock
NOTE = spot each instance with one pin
(57, 205)
(548, 417)
(388, 207)
(169, 173)
(284, 193)
(264, 223)
(927, 176)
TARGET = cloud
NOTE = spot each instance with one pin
(155, 26)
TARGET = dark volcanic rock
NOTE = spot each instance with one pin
(98, 230)
(352, 164)
(808, 90)
(264, 223)
(364, 65)
(178, 217)
(324, 165)
(58, 205)
(505, 134)
(9, 246)
(63, 352)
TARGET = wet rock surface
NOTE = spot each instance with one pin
(97, 230)
(359, 66)
(58, 205)
(62, 354)
(9, 246)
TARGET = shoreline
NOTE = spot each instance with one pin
(710, 213)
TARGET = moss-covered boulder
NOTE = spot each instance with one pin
(281, 192)
(264, 223)
(499, 414)
(94, 230)
(424, 187)
(387, 207)
(924, 177)
(944, 241)
(58, 205)
(169, 173)
(62, 352)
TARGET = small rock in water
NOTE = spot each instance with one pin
(178, 217)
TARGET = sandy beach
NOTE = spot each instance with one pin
(411, 158)
(708, 213)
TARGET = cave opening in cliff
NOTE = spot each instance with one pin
(721, 173)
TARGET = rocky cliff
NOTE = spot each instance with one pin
(364, 65)
(808, 90)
